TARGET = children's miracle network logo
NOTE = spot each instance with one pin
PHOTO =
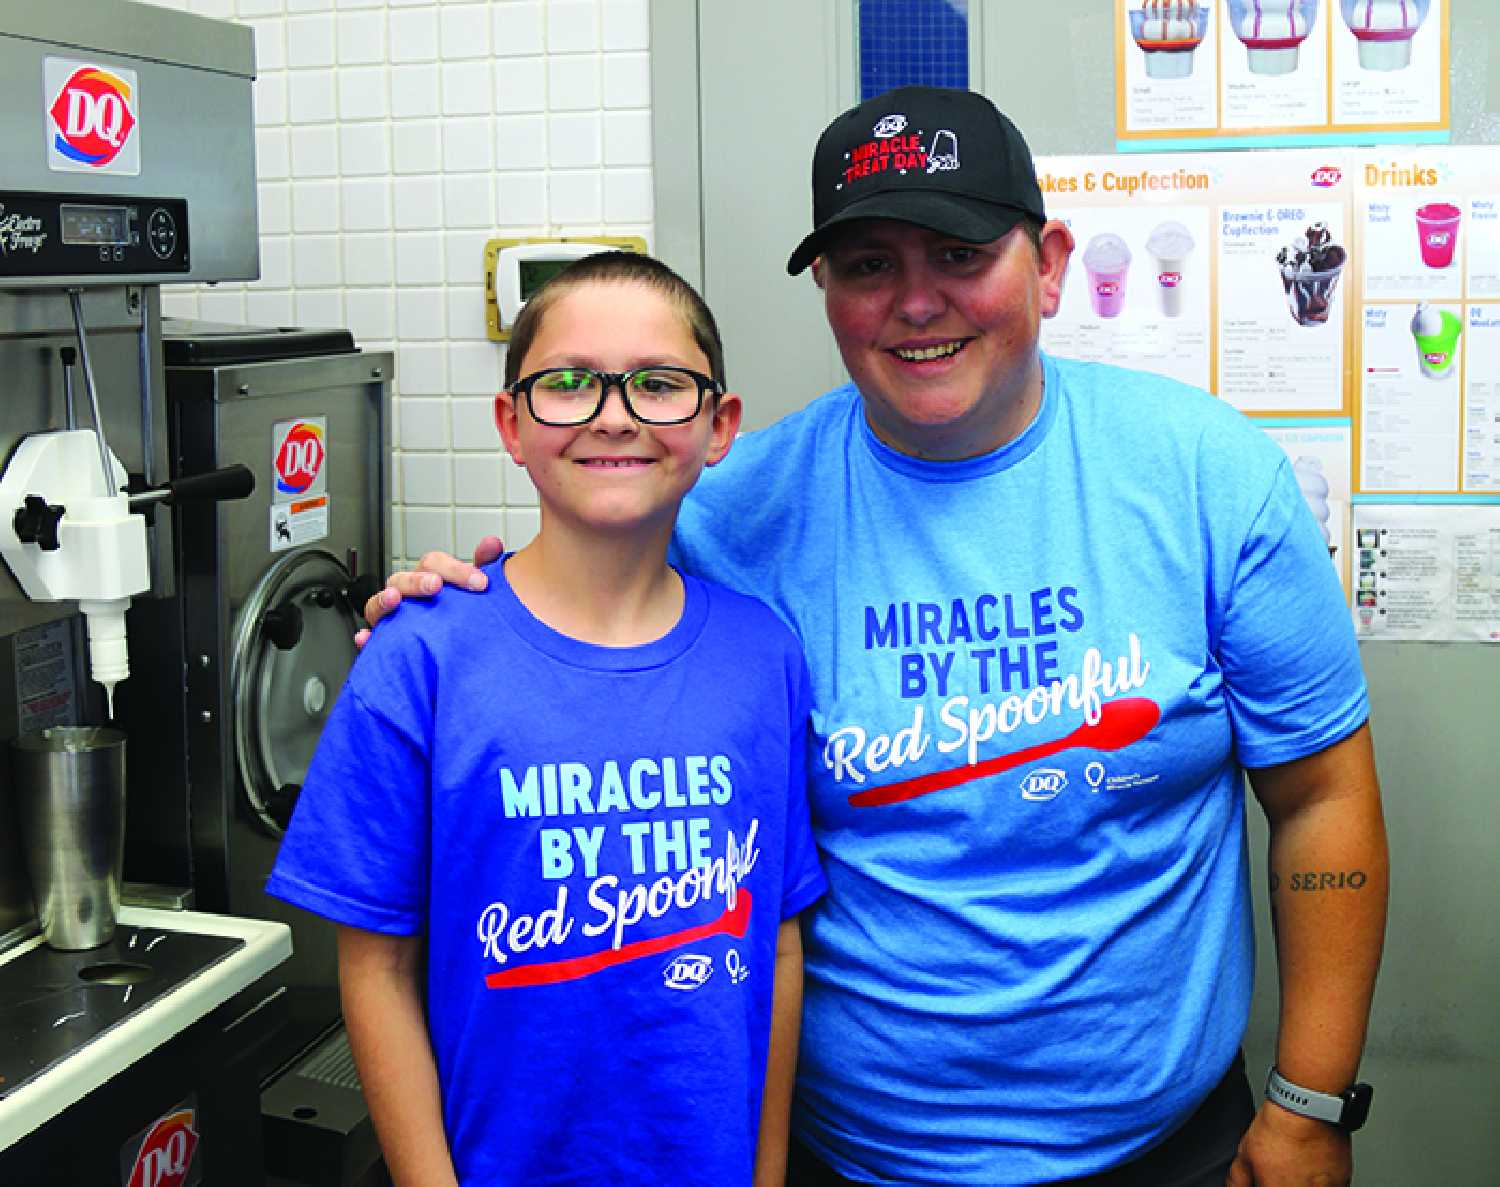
(300, 458)
(92, 117)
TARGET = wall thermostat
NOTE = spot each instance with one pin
(516, 268)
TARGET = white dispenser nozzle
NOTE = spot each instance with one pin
(89, 544)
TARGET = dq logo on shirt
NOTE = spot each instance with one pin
(300, 457)
(92, 116)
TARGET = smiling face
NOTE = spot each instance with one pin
(614, 474)
(939, 335)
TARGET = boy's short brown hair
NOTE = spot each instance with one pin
(618, 267)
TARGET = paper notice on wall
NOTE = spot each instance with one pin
(45, 692)
(1428, 573)
(1267, 72)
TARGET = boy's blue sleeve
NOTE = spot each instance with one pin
(803, 881)
(357, 851)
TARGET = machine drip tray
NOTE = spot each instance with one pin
(54, 1003)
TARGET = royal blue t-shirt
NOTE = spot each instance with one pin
(599, 845)
(1036, 677)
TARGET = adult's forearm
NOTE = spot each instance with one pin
(1328, 878)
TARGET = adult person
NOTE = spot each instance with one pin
(1052, 611)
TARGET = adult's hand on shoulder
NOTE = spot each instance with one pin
(433, 571)
(1281, 1149)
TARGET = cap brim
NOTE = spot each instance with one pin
(970, 219)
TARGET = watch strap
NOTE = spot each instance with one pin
(1347, 1111)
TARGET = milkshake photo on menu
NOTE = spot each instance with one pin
(1106, 262)
(1415, 241)
(1169, 246)
(1137, 292)
(1168, 63)
(1273, 65)
(1390, 61)
(1384, 30)
(1273, 32)
(1437, 233)
(1168, 32)
(1436, 333)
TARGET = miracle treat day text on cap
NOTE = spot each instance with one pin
(946, 160)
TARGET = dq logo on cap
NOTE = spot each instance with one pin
(167, 1153)
(300, 457)
(93, 116)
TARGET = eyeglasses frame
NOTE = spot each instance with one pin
(707, 385)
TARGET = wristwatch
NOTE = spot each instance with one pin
(1347, 1111)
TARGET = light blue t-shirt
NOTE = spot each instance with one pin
(1036, 676)
(598, 845)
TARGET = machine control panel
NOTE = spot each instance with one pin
(89, 235)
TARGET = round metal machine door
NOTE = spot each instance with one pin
(293, 647)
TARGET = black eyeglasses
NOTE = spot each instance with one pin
(567, 396)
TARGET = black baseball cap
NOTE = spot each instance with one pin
(943, 159)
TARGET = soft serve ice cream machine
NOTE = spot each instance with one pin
(126, 140)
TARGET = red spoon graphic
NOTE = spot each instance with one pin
(1120, 723)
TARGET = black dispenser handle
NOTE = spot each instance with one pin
(231, 482)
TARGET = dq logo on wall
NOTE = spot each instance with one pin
(92, 118)
(300, 452)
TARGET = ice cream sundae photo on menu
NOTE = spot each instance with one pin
(1310, 268)
(1168, 31)
(1384, 30)
(1273, 31)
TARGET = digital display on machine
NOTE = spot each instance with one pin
(99, 225)
(535, 273)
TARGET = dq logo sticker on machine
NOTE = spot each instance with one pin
(299, 496)
(92, 118)
(162, 1155)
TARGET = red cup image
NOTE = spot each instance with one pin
(1437, 232)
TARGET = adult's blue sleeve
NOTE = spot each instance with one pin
(1292, 674)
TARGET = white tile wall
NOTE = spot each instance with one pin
(393, 138)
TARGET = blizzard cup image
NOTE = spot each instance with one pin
(1437, 233)
(1384, 29)
(1168, 31)
(1436, 333)
(1310, 269)
(1170, 245)
(1106, 260)
(1273, 31)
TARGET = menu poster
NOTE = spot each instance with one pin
(1320, 453)
(1428, 223)
(1427, 572)
(1241, 73)
(1223, 271)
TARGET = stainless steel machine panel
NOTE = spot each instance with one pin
(193, 121)
(248, 659)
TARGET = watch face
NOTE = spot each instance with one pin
(1356, 1107)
